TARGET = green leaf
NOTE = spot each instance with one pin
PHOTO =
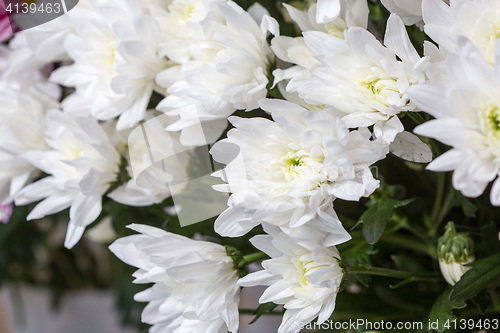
(263, 309)
(441, 312)
(375, 218)
(468, 208)
(358, 255)
(484, 273)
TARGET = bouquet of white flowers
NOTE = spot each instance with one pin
(330, 141)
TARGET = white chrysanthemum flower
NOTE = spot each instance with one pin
(478, 20)
(81, 164)
(115, 49)
(467, 112)
(362, 79)
(294, 50)
(40, 45)
(24, 99)
(305, 280)
(22, 113)
(45, 43)
(180, 25)
(194, 289)
(289, 171)
(227, 69)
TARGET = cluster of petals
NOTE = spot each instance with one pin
(24, 101)
(287, 172)
(340, 67)
(81, 163)
(475, 19)
(364, 81)
(467, 111)
(305, 279)
(293, 50)
(22, 123)
(462, 92)
(194, 282)
(223, 59)
(114, 49)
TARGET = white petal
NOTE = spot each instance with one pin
(396, 38)
(50, 205)
(73, 235)
(85, 209)
(431, 99)
(327, 10)
(409, 147)
(262, 277)
(232, 223)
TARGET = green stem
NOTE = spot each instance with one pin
(392, 273)
(445, 208)
(438, 200)
(411, 244)
(251, 258)
(252, 312)
(420, 234)
(416, 117)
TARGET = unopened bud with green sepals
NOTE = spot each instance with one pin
(455, 250)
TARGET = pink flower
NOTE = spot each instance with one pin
(5, 212)
(6, 31)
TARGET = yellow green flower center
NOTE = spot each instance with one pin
(492, 42)
(316, 107)
(189, 11)
(291, 163)
(490, 124)
(336, 30)
(305, 265)
(379, 89)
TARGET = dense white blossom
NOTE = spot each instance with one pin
(288, 171)
(467, 112)
(224, 69)
(293, 50)
(22, 125)
(24, 100)
(477, 20)
(194, 283)
(305, 279)
(115, 52)
(81, 164)
(365, 81)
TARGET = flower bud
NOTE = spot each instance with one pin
(455, 250)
